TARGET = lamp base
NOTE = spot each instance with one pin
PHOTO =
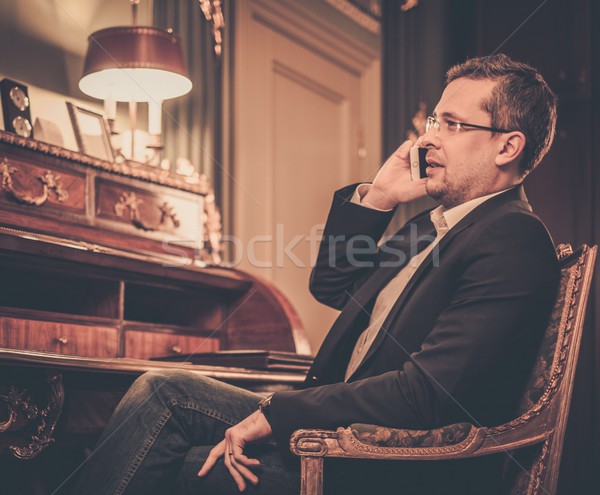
(154, 141)
(154, 146)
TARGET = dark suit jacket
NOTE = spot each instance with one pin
(459, 341)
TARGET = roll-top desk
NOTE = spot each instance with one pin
(103, 266)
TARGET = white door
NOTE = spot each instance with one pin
(306, 122)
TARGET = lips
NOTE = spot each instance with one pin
(431, 162)
(432, 165)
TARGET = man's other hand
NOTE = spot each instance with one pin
(254, 427)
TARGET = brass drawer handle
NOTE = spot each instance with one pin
(62, 340)
(176, 349)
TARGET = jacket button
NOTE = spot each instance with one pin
(313, 378)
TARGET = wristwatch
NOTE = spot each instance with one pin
(264, 406)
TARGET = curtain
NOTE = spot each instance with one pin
(192, 123)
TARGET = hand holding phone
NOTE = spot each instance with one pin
(393, 184)
(418, 165)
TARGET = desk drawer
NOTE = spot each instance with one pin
(62, 338)
(144, 345)
(153, 211)
(42, 188)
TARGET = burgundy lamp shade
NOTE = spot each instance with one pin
(134, 63)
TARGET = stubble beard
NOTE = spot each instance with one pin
(450, 193)
(442, 191)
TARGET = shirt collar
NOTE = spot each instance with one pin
(439, 221)
(442, 218)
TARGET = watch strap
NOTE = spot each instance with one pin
(264, 406)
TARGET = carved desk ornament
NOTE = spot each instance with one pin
(129, 201)
(20, 412)
(50, 182)
(212, 228)
(129, 206)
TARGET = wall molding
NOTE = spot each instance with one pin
(303, 23)
(306, 82)
(357, 15)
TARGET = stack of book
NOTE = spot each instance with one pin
(250, 359)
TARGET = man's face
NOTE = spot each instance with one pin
(463, 162)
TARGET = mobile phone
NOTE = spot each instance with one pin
(418, 165)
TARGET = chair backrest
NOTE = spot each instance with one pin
(549, 389)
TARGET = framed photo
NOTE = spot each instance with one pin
(91, 132)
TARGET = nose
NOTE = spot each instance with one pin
(430, 139)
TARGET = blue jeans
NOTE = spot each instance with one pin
(161, 433)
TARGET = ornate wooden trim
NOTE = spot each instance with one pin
(311, 442)
(130, 201)
(351, 444)
(538, 469)
(212, 231)
(167, 212)
(213, 13)
(563, 251)
(129, 169)
(5, 425)
(368, 21)
(343, 443)
(50, 182)
(19, 401)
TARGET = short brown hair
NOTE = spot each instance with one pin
(521, 101)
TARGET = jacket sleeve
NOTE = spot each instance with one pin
(348, 249)
(505, 286)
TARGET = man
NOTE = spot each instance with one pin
(438, 325)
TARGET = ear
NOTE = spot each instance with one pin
(511, 146)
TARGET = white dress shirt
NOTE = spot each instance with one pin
(443, 220)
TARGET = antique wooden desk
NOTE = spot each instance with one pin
(103, 266)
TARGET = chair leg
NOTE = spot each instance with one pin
(311, 475)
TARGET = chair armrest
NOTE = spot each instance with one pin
(378, 442)
(460, 440)
(381, 436)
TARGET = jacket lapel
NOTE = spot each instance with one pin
(404, 296)
(516, 194)
(361, 301)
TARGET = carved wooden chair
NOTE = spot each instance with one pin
(543, 411)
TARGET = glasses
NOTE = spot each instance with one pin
(450, 127)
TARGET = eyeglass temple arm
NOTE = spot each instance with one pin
(492, 129)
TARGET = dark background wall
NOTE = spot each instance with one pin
(558, 38)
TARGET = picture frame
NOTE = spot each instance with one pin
(91, 132)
